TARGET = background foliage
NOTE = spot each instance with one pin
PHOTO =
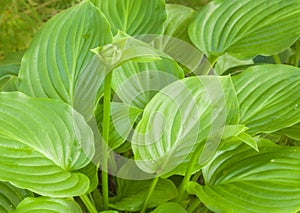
(21, 19)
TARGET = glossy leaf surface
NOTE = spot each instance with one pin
(243, 180)
(269, 97)
(182, 117)
(246, 28)
(134, 17)
(42, 145)
(59, 63)
(47, 205)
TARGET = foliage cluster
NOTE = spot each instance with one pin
(148, 106)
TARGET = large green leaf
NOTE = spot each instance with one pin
(48, 205)
(136, 83)
(11, 196)
(133, 193)
(269, 97)
(245, 181)
(246, 28)
(59, 63)
(43, 143)
(134, 17)
(187, 115)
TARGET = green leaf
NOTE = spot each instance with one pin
(246, 138)
(9, 70)
(292, 132)
(59, 61)
(133, 194)
(233, 130)
(226, 63)
(136, 83)
(123, 118)
(243, 180)
(48, 205)
(169, 207)
(8, 75)
(187, 115)
(91, 171)
(43, 143)
(283, 56)
(178, 20)
(269, 97)
(11, 196)
(134, 17)
(246, 28)
(233, 133)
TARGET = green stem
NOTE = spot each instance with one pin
(106, 124)
(277, 59)
(152, 187)
(97, 198)
(194, 205)
(87, 202)
(187, 177)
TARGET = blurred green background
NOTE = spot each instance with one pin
(20, 20)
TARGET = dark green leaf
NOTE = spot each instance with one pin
(133, 194)
(11, 196)
(169, 207)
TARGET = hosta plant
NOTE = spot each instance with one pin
(147, 106)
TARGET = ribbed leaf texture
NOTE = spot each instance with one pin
(59, 63)
(269, 97)
(245, 181)
(134, 17)
(42, 145)
(246, 28)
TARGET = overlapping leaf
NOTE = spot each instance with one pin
(179, 120)
(178, 20)
(48, 205)
(59, 57)
(134, 17)
(11, 196)
(292, 132)
(136, 83)
(246, 28)
(243, 180)
(42, 145)
(123, 118)
(269, 97)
